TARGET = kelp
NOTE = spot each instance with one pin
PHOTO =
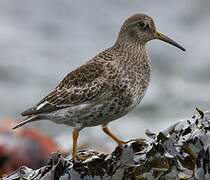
(179, 152)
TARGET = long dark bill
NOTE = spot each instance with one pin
(165, 38)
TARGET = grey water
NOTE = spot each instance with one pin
(42, 40)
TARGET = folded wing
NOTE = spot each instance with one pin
(83, 85)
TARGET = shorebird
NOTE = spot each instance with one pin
(106, 87)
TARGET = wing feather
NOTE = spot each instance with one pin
(82, 85)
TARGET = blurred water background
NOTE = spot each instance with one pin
(42, 40)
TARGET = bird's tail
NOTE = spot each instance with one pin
(27, 120)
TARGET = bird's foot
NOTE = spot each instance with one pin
(83, 155)
(120, 142)
(77, 158)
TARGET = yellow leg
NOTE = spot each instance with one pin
(75, 135)
(108, 132)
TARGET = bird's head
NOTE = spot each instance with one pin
(141, 28)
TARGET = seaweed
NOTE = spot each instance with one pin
(179, 152)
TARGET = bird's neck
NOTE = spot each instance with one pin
(135, 55)
(134, 47)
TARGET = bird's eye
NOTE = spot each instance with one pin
(142, 25)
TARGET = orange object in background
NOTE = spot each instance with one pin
(25, 146)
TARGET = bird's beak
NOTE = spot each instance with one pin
(163, 37)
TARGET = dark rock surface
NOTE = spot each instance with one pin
(179, 152)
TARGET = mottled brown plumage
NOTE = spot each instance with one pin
(107, 86)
